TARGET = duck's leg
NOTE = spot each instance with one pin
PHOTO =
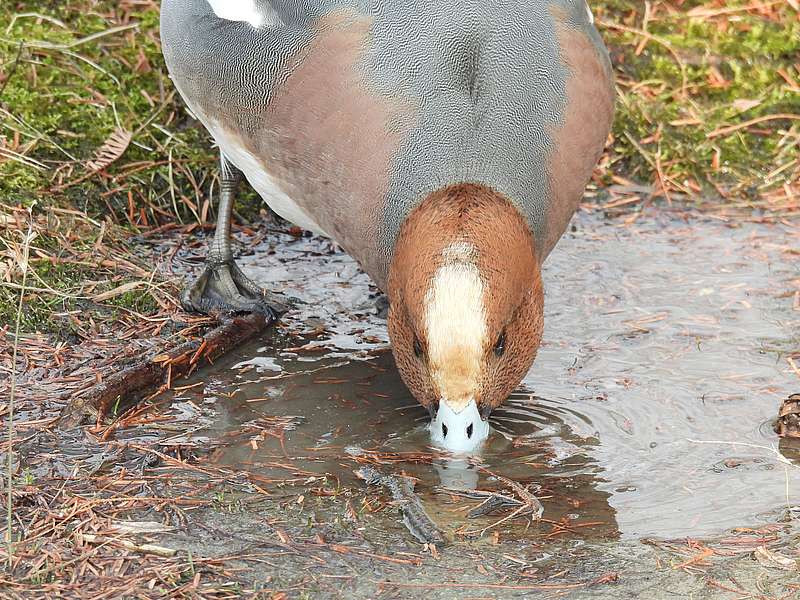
(222, 286)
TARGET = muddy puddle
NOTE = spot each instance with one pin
(648, 412)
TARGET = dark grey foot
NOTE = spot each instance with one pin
(222, 287)
(382, 306)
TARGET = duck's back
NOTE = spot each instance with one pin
(345, 115)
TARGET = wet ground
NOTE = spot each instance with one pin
(647, 416)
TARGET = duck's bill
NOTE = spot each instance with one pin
(460, 431)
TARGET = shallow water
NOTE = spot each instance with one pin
(661, 361)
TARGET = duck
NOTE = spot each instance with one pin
(444, 145)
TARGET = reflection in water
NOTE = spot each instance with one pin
(456, 472)
(654, 338)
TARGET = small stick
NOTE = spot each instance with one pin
(492, 501)
(153, 370)
(23, 263)
(745, 124)
(141, 548)
(529, 505)
(415, 518)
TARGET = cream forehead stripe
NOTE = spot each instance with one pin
(455, 325)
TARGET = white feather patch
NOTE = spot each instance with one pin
(263, 182)
(244, 10)
(589, 12)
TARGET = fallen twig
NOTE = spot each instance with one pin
(610, 577)
(415, 518)
(141, 548)
(527, 505)
(22, 259)
(155, 370)
(492, 501)
(745, 124)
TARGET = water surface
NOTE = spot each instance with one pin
(662, 365)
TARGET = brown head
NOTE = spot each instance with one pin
(466, 302)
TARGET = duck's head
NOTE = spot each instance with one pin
(465, 312)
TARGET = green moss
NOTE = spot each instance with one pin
(139, 301)
(69, 101)
(67, 270)
(746, 52)
(59, 106)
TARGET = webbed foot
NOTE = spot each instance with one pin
(222, 287)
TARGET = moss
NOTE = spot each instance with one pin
(72, 261)
(70, 101)
(726, 58)
(59, 107)
(139, 301)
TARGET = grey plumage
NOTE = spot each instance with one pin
(477, 90)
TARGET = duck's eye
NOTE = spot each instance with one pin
(417, 348)
(500, 344)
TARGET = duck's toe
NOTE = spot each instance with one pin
(222, 287)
